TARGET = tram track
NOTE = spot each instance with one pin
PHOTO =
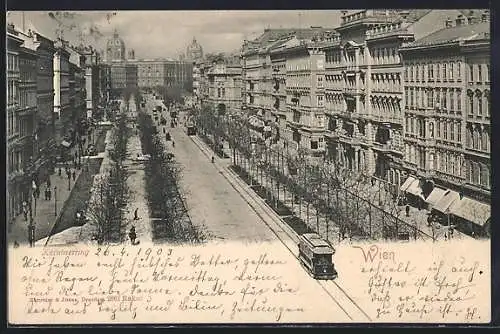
(285, 234)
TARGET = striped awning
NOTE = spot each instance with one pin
(471, 210)
(448, 198)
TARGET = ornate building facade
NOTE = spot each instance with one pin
(447, 119)
(15, 164)
(224, 84)
(364, 88)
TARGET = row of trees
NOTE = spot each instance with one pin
(335, 197)
(111, 192)
(170, 218)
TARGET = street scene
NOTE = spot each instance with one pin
(320, 132)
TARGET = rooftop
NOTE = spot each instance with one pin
(273, 37)
(454, 34)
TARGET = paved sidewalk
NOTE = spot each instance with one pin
(85, 233)
(44, 213)
(137, 187)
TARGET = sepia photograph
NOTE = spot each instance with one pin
(248, 166)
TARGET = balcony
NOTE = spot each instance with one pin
(386, 118)
(426, 173)
(332, 134)
(448, 177)
(353, 91)
(387, 147)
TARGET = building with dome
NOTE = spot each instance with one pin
(194, 51)
(115, 48)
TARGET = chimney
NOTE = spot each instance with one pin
(471, 19)
(344, 12)
(460, 20)
(449, 23)
(485, 16)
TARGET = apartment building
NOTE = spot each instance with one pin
(447, 120)
(224, 84)
(363, 79)
(15, 163)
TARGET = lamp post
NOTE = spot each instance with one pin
(55, 201)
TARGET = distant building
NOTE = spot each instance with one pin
(194, 51)
(131, 55)
(224, 84)
(115, 48)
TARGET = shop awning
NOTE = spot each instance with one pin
(65, 143)
(471, 210)
(435, 196)
(414, 188)
(448, 198)
(407, 183)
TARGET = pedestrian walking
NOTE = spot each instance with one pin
(60, 171)
(136, 216)
(48, 182)
(74, 175)
(25, 210)
(46, 193)
(49, 193)
(407, 210)
(132, 235)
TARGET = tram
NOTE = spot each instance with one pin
(315, 254)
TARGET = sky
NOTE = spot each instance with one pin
(155, 34)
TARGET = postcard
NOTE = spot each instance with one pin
(228, 167)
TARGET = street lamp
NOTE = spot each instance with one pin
(55, 201)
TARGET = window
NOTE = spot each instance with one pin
(459, 132)
(445, 131)
(444, 71)
(418, 72)
(487, 74)
(459, 101)
(320, 101)
(471, 73)
(452, 131)
(438, 128)
(471, 103)
(438, 73)
(450, 71)
(452, 100)
(430, 72)
(459, 70)
(479, 98)
(479, 73)
(443, 98)
(314, 145)
(320, 81)
(485, 140)
(430, 98)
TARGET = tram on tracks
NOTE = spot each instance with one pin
(315, 255)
